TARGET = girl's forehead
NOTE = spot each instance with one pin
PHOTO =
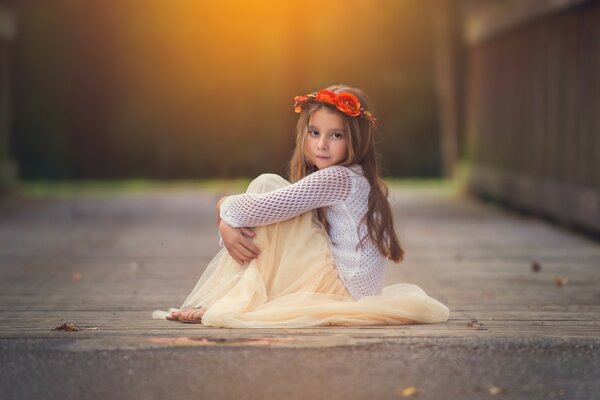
(329, 118)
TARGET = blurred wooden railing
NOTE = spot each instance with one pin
(532, 106)
(7, 34)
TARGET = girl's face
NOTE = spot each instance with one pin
(326, 142)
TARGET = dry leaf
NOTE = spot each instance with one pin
(76, 276)
(474, 324)
(535, 266)
(408, 391)
(494, 390)
(67, 327)
(560, 281)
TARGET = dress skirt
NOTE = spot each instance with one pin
(294, 283)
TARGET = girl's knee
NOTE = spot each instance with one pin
(266, 183)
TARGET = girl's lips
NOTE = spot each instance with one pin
(323, 157)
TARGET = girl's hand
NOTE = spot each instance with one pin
(219, 209)
(237, 242)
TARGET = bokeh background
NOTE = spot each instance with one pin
(112, 89)
(501, 96)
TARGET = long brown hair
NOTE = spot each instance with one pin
(361, 150)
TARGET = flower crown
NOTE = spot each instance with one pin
(346, 102)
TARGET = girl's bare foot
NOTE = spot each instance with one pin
(191, 315)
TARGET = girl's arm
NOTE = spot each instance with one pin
(320, 189)
(236, 240)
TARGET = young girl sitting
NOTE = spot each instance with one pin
(312, 252)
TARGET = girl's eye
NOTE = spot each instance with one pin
(313, 133)
(337, 135)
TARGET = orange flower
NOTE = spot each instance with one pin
(345, 102)
(327, 96)
(298, 100)
(348, 104)
(370, 117)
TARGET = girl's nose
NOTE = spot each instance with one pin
(322, 144)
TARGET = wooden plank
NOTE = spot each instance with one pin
(471, 256)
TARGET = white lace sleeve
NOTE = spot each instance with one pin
(321, 188)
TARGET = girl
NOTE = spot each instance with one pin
(312, 252)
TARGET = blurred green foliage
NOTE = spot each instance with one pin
(65, 189)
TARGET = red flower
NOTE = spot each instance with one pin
(327, 96)
(348, 104)
(298, 100)
(345, 102)
(370, 117)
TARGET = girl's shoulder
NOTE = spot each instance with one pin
(356, 169)
(340, 173)
(353, 169)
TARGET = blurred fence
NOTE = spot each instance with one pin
(532, 122)
(7, 34)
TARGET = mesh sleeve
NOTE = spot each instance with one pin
(322, 188)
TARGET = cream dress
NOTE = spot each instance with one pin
(302, 277)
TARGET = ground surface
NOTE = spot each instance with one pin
(105, 262)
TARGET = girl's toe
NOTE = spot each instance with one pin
(192, 314)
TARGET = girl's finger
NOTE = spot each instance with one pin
(252, 254)
(233, 253)
(250, 247)
(248, 232)
(239, 261)
(246, 254)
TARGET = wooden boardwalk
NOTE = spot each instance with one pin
(105, 262)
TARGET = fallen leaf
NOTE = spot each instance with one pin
(67, 327)
(408, 391)
(474, 324)
(535, 266)
(560, 281)
(76, 276)
(494, 390)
